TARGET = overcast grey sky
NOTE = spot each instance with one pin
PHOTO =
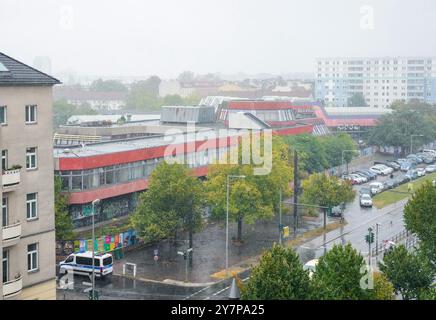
(165, 37)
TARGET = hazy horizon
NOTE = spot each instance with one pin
(138, 38)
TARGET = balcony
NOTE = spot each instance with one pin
(11, 179)
(11, 234)
(12, 288)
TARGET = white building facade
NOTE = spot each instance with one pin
(381, 80)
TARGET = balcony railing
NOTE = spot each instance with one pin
(11, 179)
(12, 288)
(11, 234)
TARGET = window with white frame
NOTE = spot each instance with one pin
(5, 215)
(31, 158)
(31, 114)
(4, 159)
(32, 257)
(32, 205)
(3, 115)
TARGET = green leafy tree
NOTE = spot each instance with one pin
(420, 219)
(335, 146)
(326, 191)
(410, 272)
(254, 198)
(311, 152)
(278, 276)
(338, 275)
(62, 110)
(396, 129)
(143, 95)
(357, 100)
(383, 289)
(173, 100)
(63, 221)
(107, 85)
(186, 76)
(174, 200)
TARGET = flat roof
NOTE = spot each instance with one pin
(101, 148)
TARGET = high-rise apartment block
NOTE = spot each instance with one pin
(381, 80)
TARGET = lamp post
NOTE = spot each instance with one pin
(377, 225)
(342, 158)
(411, 140)
(227, 217)
(94, 203)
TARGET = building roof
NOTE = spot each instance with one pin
(363, 116)
(13, 72)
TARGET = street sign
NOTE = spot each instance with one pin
(156, 252)
(156, 258)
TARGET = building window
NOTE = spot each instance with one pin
(31, 114)
(32, 206)
(5, 217)
(31, 161)
(32, 257)
(4, 160)
(5, 264)
(3, 115)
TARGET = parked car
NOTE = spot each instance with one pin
(420, 172)
(412, 174)
(426, 157)
(376, 187)
(414, 159)
(430, 168)
(406, 166)
(365, 200)
(338, 210)
(402, 179)
(365, 190)
(381, 169)
(373, 175)
(358, 178)
(401, 160)
(363, 174)
(390, 184)
(394, 165)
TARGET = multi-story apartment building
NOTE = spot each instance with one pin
(27, 233)
(381, 80)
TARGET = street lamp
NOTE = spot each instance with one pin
(227, 217)
(94, 203)
(377, 225)
(342, 159)
(411, 140)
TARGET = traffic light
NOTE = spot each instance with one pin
(372, 237)
(369, 238)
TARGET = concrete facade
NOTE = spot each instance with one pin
(381, 80)
(16, 136)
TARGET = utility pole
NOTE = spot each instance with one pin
(296, 189)
(280, 217)
(190, 230)
(94, 203)
(377, 225)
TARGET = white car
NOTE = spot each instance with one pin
(430, 168)
(81, 263)
(358, 178)
(376, 187)
(378, 169)
(365, 200)
(420, 172)
(311, 266)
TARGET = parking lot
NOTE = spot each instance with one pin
(389, 174)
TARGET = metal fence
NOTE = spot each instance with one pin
(410, 241)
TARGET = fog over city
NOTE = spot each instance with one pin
(166, 37)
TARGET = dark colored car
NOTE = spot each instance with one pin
(363, 174)
(370, 173)
(394, 165)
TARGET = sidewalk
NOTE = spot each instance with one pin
(209, 252)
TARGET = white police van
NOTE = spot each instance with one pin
(81, 263)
